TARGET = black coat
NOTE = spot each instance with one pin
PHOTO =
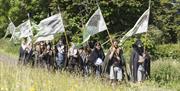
(134, 64)
(95, 54)
(147, 66)
(21, 53)
(136, 52)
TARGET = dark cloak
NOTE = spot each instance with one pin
(96, 54)
(21, 54)
(136, 51)
(147, 66)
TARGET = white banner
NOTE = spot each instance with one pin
(51, 26)
(94, 25)
(141, 26)
(25, 29)
(11, 28)
(45, 38)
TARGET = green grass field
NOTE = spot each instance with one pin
(21, 78)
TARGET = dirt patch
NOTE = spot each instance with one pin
(8, 59)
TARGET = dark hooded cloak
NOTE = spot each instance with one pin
(137, 49)
(96, 54)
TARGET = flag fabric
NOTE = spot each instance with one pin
(45, 38)
(10, 29)
(25, 29)
(15, 37)
(29, 40)
(94, 25)
(51, 26)
(141, 26)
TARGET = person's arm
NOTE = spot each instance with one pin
(118, 50)
(75, 54)
(112, 53)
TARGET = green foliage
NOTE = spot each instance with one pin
(165, 71)
(165, 17)
(149, 42)
(120, 15)
(23, 78)
(168, 51)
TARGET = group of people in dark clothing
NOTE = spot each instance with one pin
(88, 60)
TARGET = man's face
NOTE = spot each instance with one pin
(41, 46)
(37, 47)
(80, 50)
(98, 46)
(60, 42)
(115, 44)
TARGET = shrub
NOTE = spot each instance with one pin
(169, 51)
(165, 71)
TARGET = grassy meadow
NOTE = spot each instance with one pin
(21, 78)
(165, 76)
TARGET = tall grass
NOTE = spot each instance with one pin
(166, 72)
(9, 48)
(25, 78)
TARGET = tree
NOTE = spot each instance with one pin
(120, 15)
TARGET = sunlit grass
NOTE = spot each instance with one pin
(9, 48)
(21, 78)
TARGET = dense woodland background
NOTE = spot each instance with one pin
(120, 15)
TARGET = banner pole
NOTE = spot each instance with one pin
(64, 29)
(107, 28)
(7, 31)
(149, 3)
(110, 38)
(67, 43)
(66, 38)
(146, 32)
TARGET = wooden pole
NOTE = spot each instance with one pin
(110, 38)
(66, 38)
(67, 44)
(146, 32)
(29, 37)
(7, 32)
(149, 3)
(106, 29)
(64, 30)
(66, 48)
